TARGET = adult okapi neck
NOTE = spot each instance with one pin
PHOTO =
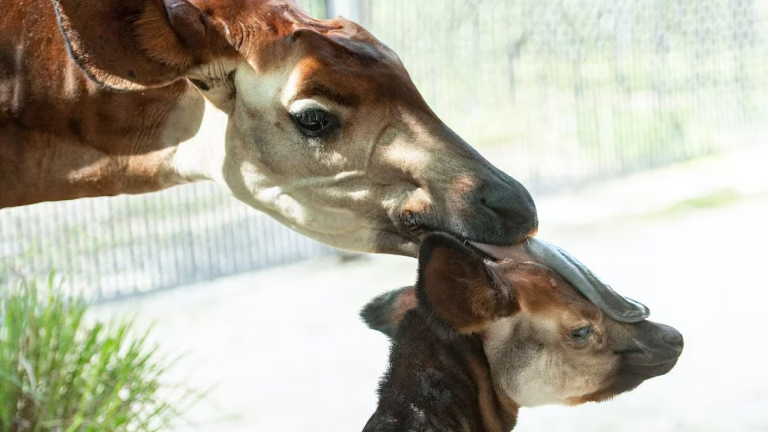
(438, 384)
(65, 134)
(98, 100)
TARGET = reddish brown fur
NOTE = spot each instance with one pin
(55, 121)
(103, 97)
(62, 136)
(470, 305)
(541, 291)
(57, 126)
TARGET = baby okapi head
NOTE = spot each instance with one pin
(476, 339)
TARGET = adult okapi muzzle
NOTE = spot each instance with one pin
(327, 133)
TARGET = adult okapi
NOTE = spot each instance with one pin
(326, 131)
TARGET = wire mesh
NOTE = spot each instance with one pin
(562, 92)
(556, 92)
(110, 248)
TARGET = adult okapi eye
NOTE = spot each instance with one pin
(581, 335)
(315, 123)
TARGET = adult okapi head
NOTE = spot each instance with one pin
(327, 133)
(493, 336)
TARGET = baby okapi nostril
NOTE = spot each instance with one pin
(673, 337)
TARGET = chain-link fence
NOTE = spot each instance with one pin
(114, 247)
(556, 92)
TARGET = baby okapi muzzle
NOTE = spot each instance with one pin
(476, 339)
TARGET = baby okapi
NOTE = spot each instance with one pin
(477, 339)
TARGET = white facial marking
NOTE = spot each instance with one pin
(291, 87)
(201, 156)
(305, 104)
(284, 196)
(259, 89)
(220, 85)
(534, 367)
(326, 188)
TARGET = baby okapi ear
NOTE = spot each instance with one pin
(459, 286)
(385, 312)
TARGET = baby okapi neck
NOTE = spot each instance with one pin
(438, 382)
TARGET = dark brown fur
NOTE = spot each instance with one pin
(105, 117)
(438, 384)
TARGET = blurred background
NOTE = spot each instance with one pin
(640, 127)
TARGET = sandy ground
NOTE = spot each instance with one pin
(286, 350)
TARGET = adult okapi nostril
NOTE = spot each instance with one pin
(511, 201)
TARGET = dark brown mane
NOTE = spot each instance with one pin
(434, 383)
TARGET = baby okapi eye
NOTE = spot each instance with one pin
(581, 335)
(314, 122)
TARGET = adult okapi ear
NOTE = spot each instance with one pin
(459, 287)
(385, 312)
(134, 44)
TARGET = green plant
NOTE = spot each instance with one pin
(58, 373)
